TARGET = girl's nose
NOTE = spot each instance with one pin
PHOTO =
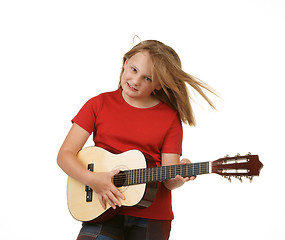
(136, 80)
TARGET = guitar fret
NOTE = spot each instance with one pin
(176, 170)
(156, 174)
(168, 172)
(195, 169)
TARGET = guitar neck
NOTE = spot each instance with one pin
(146, 175)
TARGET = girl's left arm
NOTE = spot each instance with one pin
(172, 159)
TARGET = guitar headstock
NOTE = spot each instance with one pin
(237, 166)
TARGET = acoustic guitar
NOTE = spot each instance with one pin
(138, 177)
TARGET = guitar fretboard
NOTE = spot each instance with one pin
(146, 175)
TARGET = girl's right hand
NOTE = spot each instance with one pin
(101, 183)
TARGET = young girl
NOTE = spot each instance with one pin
(145, 113)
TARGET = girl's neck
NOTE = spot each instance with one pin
(140, 103)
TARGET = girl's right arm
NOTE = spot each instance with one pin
(101, 183)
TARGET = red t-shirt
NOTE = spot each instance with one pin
(119, 127)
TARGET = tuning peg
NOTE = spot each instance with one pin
(240, 179)
(229, 178)
(250, 178)
(249, 153)
(227, 156)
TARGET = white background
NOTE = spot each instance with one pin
(55, 55)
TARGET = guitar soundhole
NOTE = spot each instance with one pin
(119, 180)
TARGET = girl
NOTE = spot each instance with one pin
(145, 113)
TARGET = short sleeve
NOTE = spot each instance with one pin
(86, 116)
(173, 139)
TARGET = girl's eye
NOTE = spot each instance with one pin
(148, 79)
(133, 69)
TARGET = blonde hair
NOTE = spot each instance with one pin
(168, 71)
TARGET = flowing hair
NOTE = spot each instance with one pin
(168, 72)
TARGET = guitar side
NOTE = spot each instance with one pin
(105, 161)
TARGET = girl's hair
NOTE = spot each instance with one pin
(167, 70)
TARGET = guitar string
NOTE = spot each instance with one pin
(156, 174)
(162, 171)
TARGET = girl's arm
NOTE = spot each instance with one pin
(100, 182)
(172, 159)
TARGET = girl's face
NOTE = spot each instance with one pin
(136, 81)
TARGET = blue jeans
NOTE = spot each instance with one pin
(126, 228)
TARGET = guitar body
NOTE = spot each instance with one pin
(140, 195)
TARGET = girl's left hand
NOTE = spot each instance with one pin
(186, 179)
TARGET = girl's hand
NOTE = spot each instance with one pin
(178, 181)
(101, 183)
(186, 179)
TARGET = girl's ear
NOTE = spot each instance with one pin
(158, 87)
(125, 63)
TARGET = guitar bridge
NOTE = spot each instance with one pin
(88, 190)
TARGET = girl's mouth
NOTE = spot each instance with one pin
(131, 87)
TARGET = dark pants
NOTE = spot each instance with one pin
(126, 228)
